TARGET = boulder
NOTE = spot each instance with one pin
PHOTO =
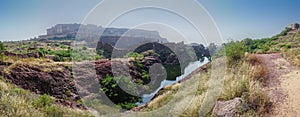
(227, 108)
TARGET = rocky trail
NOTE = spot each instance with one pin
(283, 85)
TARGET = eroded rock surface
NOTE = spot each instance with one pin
(227, 108)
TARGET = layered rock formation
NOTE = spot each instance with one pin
(57, 80)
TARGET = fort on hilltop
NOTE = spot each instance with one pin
(294, 28)
(93, 33)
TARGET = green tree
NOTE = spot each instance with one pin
(235, 51)
(111, 88)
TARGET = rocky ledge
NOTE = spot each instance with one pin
(57, 80)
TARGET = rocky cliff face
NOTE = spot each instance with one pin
(89, 76)
(168, 53)
(42, 77)
(46, 77)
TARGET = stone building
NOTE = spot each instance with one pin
(294, 26)
(61, 29)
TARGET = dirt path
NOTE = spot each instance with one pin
(283, 85)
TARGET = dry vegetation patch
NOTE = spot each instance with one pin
(17, 102)
(45, 65)
(245, 80)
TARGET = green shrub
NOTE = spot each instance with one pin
(19, 91)
(84, 48)
(127, 105)
(234, 51)
(145, 74)
(264, 48)
(2, 46)
(98, 57)
(63, 46)
(111, 88)
(62, 55)
(134, 55)
(284, 32)
(43, 51)
(44, 100)
(288, 46)
(138, 63)
(68, 93)
(259, 45)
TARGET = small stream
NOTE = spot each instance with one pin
(189, 69)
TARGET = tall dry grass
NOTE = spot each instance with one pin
(248, 82)
(16, 102)
(245, 80)
(46, 65)
(293, 56)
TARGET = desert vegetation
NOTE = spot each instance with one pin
(246, 82)
(246, 77)
(16, 101)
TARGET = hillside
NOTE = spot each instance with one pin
(251, 77)
(44, 69)
(261, 80)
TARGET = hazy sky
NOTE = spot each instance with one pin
(236, 19)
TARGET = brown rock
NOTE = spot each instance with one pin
(227, 108)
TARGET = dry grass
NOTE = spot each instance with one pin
(181, 98)
(293, 56)
(16, 102)
(252, 59)
(46, 65)
(260, 72)
(164, 98)
(178, 99)
(245, 80)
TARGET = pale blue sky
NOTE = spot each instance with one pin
(236, 19)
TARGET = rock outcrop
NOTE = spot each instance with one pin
(58, 80)
(88, 81)
(52, 80)
(227, 108)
